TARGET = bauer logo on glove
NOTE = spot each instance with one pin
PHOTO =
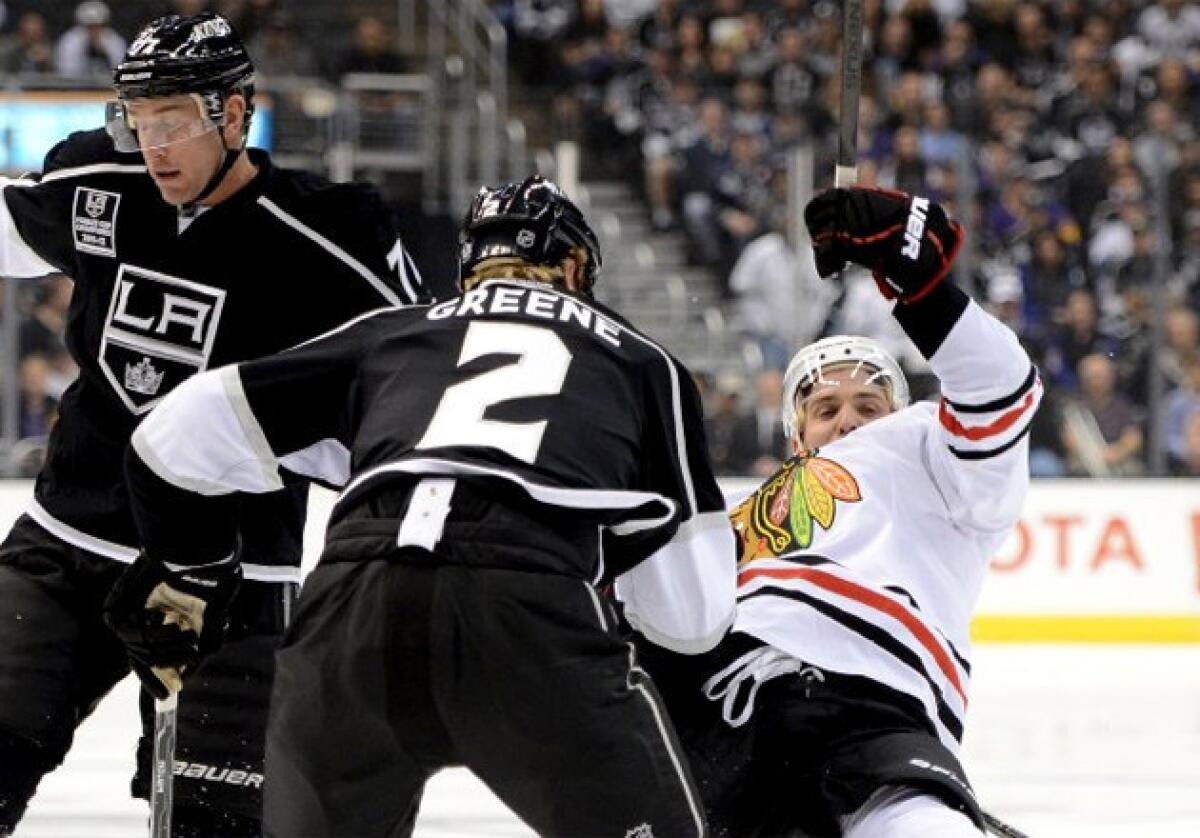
(906, 241)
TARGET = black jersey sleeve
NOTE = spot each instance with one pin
(682, 595)
(241, 428)
(36, 216)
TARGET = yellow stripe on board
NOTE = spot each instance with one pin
(1100, 628)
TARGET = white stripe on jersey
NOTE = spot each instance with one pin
(600, 499)
(406, 270)
(126, 555)
(379, 285)
(78, 538)
(93, 169)
(226, 452)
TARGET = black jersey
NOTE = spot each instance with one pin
(159, 297)
(545, 395)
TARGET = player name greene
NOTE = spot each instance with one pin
(544, 305)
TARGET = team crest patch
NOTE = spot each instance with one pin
(159, 330)
(94, 221)
(783, 514)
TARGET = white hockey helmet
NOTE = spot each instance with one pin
(808, 365)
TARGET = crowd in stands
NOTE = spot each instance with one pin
(1066, 126)
(1069, 126)
(85, 41)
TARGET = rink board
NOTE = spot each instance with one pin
(1090, 561)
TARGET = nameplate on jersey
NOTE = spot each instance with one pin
(94, 221)
(159, 330)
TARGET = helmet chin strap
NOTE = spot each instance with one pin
(231, 156)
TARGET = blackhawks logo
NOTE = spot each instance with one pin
(782, 514)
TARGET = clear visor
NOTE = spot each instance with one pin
(130, 135)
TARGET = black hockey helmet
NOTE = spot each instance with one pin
(200, 54)
(531, 220)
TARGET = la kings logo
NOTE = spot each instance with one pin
(94, 221)
(159, 330)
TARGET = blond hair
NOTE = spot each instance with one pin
(514, 267)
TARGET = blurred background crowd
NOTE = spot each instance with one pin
(1063, 133)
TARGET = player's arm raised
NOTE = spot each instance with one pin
(990, 388)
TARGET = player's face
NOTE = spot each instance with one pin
(181, 146)
(843, 401)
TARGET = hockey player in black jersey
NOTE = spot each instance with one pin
(836, 705)
(188, 251)
(501, 455)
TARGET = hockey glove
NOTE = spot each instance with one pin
(170, 619)
(906, 241)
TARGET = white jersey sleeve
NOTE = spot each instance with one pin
(979, 454)
(17, 259)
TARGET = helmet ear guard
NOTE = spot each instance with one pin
(532, 221)
(807, 369)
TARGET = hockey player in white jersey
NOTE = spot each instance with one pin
(836, 705)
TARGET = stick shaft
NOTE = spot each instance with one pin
(162, 779)
(846, 172)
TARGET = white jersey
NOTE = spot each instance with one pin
(867, 556)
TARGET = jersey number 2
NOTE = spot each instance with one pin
(540, 369)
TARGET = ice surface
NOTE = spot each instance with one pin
(1062, 741)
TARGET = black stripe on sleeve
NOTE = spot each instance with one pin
(990, 452)
(1000, 403)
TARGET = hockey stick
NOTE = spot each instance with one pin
(997, 827)
(162, 778)
(845, 172)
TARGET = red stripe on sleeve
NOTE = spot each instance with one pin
(1001, 424)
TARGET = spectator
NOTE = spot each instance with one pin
(657, 29)
(757, 445)
(1156, 150)
(778, 299)
(38, 408)
(1188, 465)
(1076, 337)
(1102, 433)
(372, 51)
(791, 81)
(42, 333)
(279, 50)
(29, 49)
(1182, 345)
(1180, 405)
(720, 424)
(90, 48)
(537, 26)
(249, 16)
(1049, 277)
(906, 169)
(1170, 27)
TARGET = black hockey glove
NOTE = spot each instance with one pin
(169, 620)
(906, 241)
